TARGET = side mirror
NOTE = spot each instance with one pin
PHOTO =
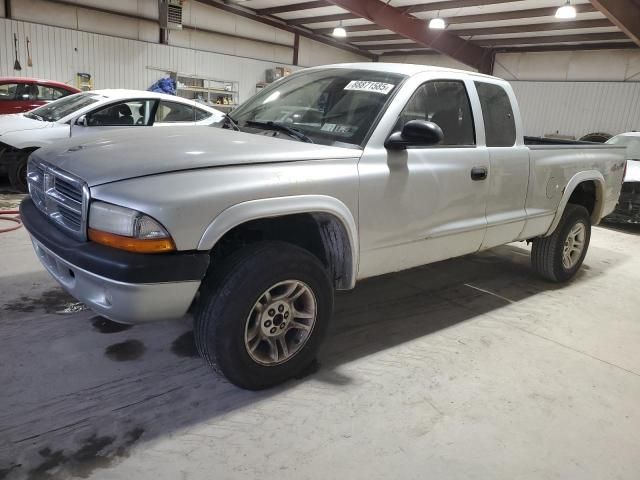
(82, 121)
(415, 133)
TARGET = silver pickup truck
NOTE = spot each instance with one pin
(327, 177)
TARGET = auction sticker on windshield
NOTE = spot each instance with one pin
(366, 86)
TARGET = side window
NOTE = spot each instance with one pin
(201, 114)
(8, 91)
(445, 103)
(47, 93)
(171, 112)
(26, 91)
(499, 124)
(61, 92)
(129, 113)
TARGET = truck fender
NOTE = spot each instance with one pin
(279, 206)
(578, 178)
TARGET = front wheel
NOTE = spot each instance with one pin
(559, 256)
(262, 315)
(18, 173)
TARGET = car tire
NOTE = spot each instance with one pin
(18, 173)
(558, 257)
(243, 312)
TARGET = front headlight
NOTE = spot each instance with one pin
(127, 229)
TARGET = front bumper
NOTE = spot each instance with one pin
(122, 286)
(628, 208)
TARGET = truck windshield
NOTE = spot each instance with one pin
(631, 142)
(337, 106)
(54, 111)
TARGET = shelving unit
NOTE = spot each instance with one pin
(217, 93)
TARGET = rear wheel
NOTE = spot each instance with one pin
(262, 315)
(559, 256)
(18, 172)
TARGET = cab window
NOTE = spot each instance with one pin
(445, 103)
(499, 124)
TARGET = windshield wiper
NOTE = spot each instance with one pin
(281, 128)
(232, 122)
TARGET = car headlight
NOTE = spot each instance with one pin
(127, 229)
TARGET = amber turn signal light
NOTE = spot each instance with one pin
(138, 245)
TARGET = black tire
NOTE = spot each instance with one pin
(547, 252)
(18, 173)
(227, 297)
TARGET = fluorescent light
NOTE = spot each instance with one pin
(437, 24)
(339, 31)
(566, 11)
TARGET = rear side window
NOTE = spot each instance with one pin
(172, 112)
(445, 103)
(499, 124)
(201, 114)
(46, 92)
(8, 91)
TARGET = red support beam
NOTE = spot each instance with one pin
(625, 14)
(250, 14)
(296, 48)
(415, 29)
(296, 7)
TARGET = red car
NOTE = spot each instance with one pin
(23, 94)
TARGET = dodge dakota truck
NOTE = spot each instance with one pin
(329, 176)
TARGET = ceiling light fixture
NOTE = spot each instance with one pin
(339, 31)
(566, 11)
(437, 24)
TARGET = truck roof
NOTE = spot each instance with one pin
(404, 68)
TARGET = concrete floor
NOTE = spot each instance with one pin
(466, 369)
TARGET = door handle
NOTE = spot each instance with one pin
(479, 173)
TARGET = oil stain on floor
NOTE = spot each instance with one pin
(54, 300)
(95, 453)
(104, 325)
(125, 351)
(185, 345)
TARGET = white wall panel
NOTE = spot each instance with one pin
(588, 65)
(60, 53)
(578, 108)
(313, 53)
(432, 59)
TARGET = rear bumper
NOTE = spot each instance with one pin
(628, 208)
(123, 286)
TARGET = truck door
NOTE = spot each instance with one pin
(509, 165)
(424, 204)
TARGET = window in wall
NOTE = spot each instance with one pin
(499, 124)
(446, 104)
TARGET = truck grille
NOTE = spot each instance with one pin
(59, 195)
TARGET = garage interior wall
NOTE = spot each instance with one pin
(118, 50)
(569, 93)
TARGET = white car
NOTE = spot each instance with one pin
(91, 112)
(628, 207)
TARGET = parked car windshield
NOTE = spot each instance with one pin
(631, 142)
(54, 111)
(335, 106)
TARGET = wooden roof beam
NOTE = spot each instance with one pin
(624, 13)
(414, 29)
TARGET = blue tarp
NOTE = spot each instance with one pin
(164, 85)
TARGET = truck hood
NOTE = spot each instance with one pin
(136, 152)
(633, 171)
(17, 122)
